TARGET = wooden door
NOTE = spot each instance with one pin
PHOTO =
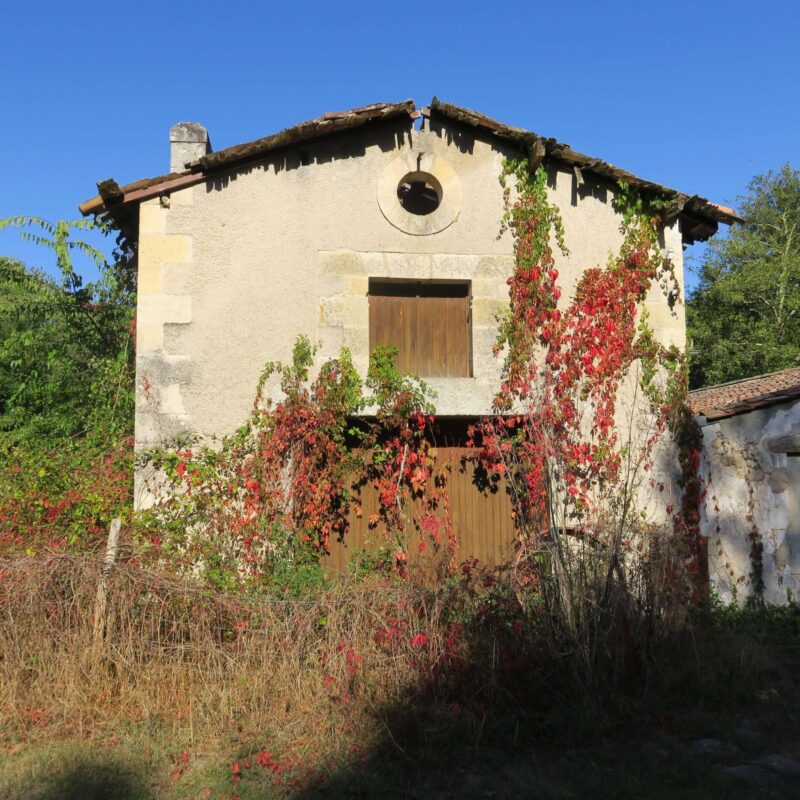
(482, 519)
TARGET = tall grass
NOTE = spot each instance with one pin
(365, 667)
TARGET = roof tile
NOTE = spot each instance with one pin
(738, 397)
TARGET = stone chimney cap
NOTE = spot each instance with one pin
(188, 141)
(188, 132)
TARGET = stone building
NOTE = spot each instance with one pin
(338, 228)
(751, 465)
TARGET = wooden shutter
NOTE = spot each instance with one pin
(429, 323)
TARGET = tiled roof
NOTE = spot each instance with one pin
(700, 215)
(328, 124)
(558, 151)
(738, 397)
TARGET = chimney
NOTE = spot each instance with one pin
(188, 141)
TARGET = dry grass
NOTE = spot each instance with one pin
(369, 671)
(319, 683)
(208, 663)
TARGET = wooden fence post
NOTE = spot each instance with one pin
(101, 599)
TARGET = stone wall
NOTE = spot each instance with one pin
(753, 497)
(234, 269)
(164, 301)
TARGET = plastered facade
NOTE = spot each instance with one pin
(753, 495)
(233, 269)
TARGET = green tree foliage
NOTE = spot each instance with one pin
(66, 350)
(66, 393)
(744, 317)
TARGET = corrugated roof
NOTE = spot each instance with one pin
(739, 397)
(701, 214)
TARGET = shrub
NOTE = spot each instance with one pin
(65, 497)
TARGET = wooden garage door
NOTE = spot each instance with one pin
(482, 519)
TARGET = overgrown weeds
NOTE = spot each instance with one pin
(294, 691)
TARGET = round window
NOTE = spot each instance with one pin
(419, 193)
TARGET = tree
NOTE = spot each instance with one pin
(66, 350)
(66, 393)
(744, 316)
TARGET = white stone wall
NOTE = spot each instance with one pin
(234, 269)
(752, 491)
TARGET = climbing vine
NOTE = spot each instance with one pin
(282, 489)
(399, 461)
(555, 429)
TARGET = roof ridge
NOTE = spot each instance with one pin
(701, 215)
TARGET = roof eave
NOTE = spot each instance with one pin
(700, 216)
(539, 147)
(328, 124)
(112, 195)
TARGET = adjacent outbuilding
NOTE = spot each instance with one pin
(751, 465)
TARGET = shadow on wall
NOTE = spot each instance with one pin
(729, 561)
(586, 188)
(464, 140)
(734, 562)
(386, 136)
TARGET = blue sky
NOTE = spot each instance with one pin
(696, 95)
